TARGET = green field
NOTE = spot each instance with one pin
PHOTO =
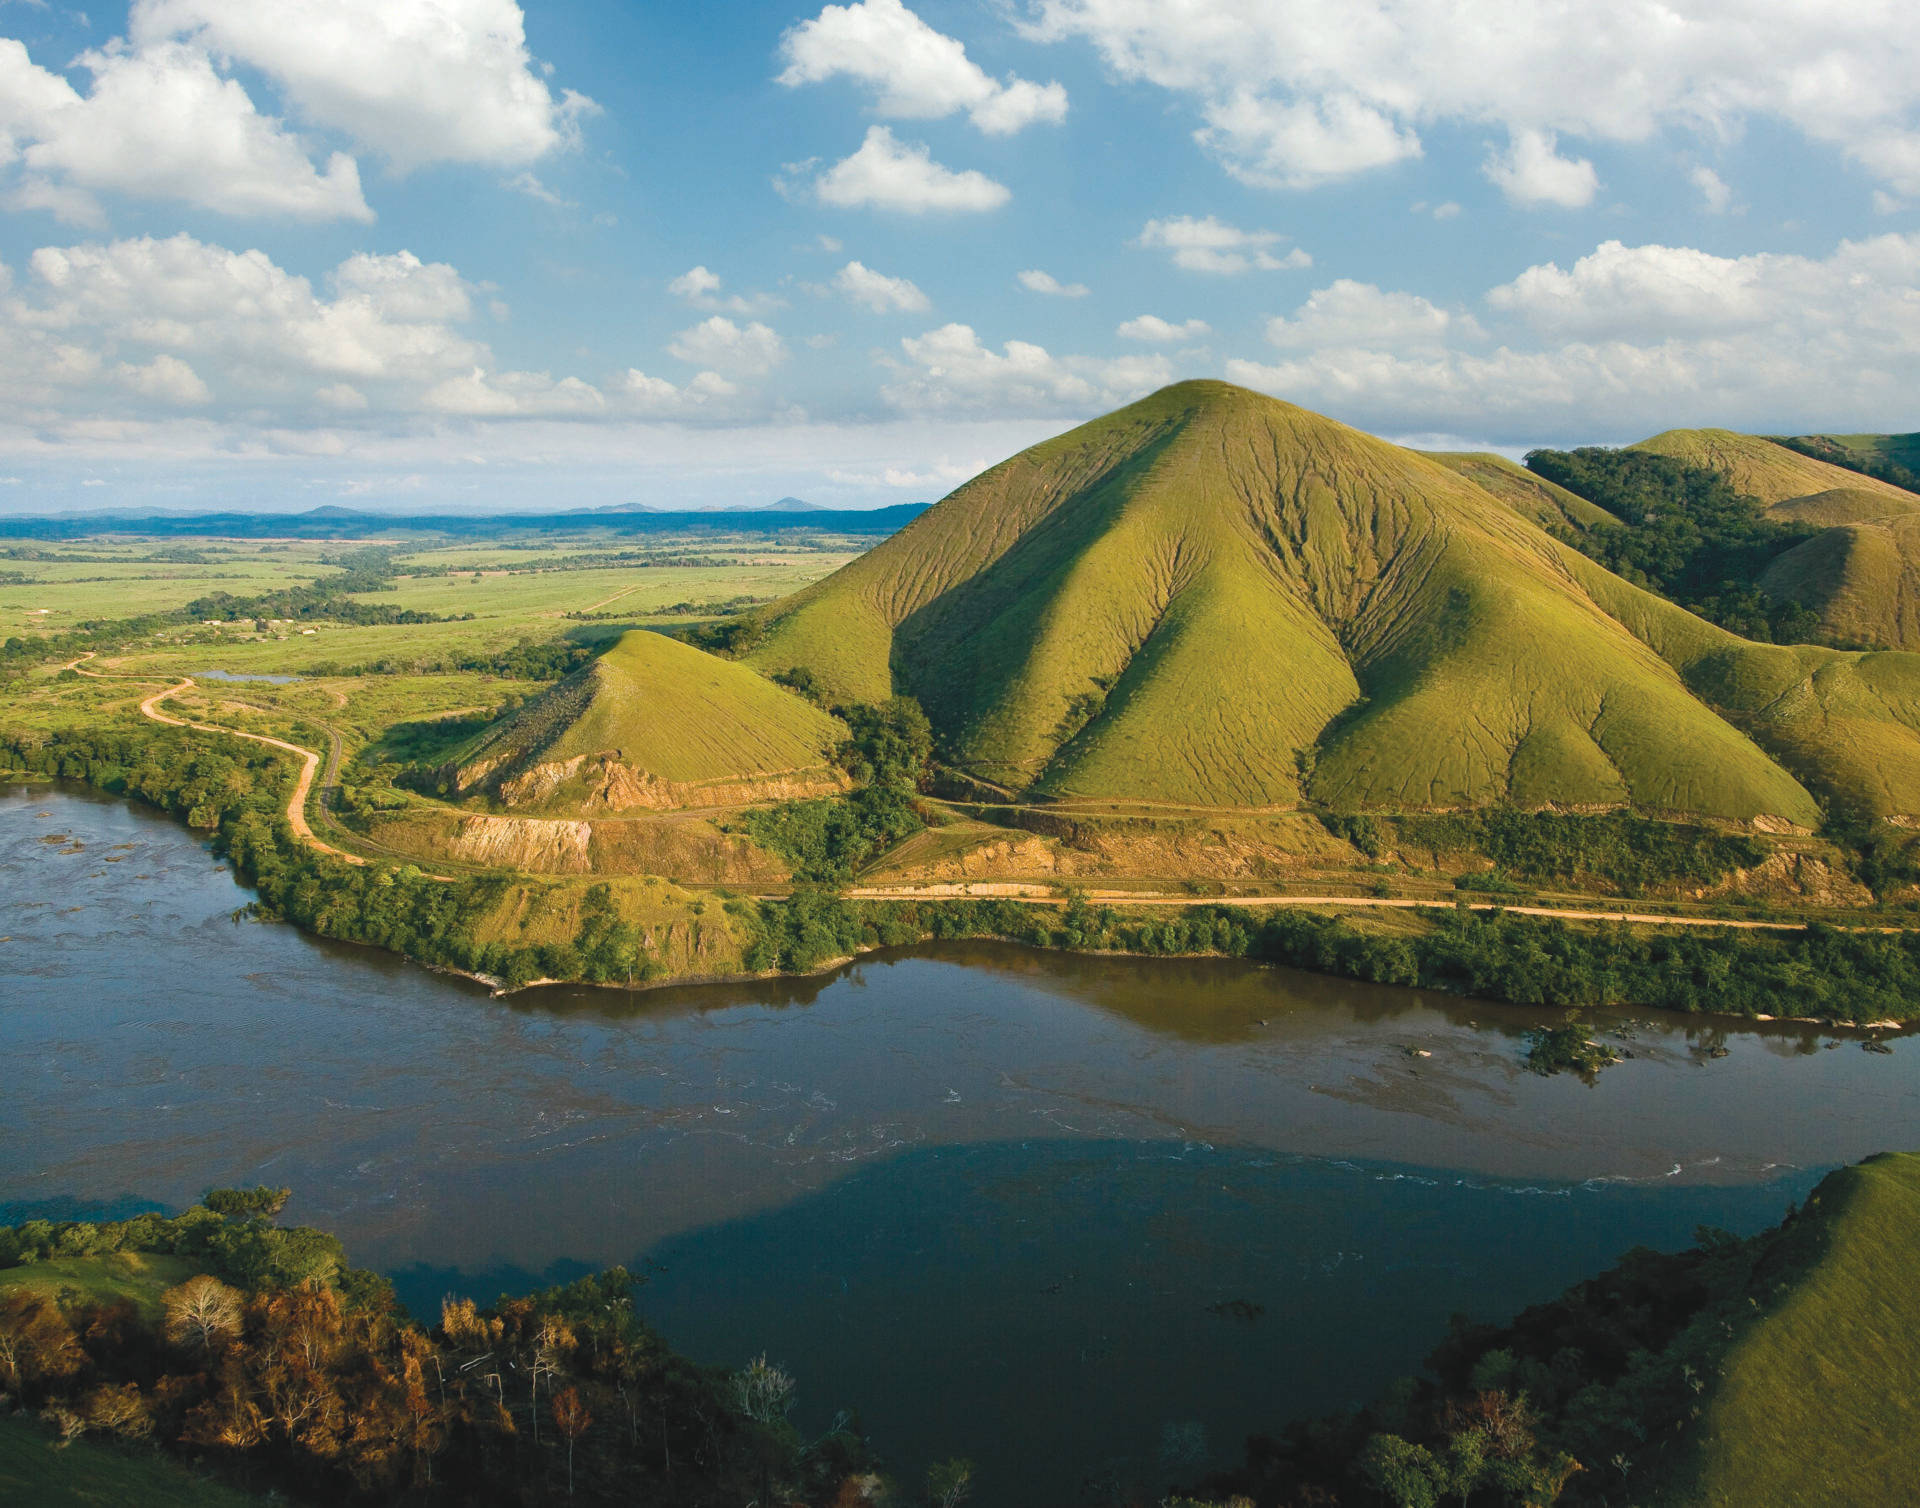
(35, 1470)
(140, 1276)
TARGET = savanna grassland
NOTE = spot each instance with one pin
(1201, 659)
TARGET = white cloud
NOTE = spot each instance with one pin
(419, 81)
(1715, 197)
(701, 288)
(159, 123)
(1531, 171)
(1208, 245)
(889, 174)
(918, 73)
(655, 397)
(1150, 327)
(1349, 313)
(1317, 89)
(1630, 340)
(750, 350)
(948, 370)
(876, 291)
(165, 379)
(1036, 281)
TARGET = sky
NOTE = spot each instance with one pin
(475, 255)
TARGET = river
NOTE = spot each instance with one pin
(1088, 1221)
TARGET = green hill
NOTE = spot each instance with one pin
(1818, 1401)
(1891, 458)
(1759, 467)
(1214, 598)
(656, 724)
(1547, 503)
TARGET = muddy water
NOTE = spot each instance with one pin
(1086, 1220)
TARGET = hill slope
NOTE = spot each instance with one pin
(654, 723)
(1818, 1403)
(1760, 468)
(1547, 503)
(1215, 598)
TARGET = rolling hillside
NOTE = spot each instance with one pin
(654, 724)
(1762, 469)
(1214, 598)
(1547, 503)
(1862, 576)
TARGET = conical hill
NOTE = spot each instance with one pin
(1213, 598)
(1760, 468)
(655, 724)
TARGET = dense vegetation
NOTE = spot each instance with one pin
(1618, 849)
(1671, 1378)
(1686, 534)
(1491, 955)
(887, 753)
(280, 1366)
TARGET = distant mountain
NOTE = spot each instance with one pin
(1211, 598)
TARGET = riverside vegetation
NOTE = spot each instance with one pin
(256, 1353)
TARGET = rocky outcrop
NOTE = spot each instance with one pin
(602, 782)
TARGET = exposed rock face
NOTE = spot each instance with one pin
(613, 786)
(684, 849)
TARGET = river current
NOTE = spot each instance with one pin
(1089, 1221)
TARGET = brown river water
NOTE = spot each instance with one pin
(1088, 1221)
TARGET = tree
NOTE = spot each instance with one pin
(949, 1483)
(201, 1313)
(571, 1418)
(1407, 1475)
(761, 1391)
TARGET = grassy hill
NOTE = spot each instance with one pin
(35, 1470)
(1213, 598)
(654, 723)
(140, 1276)
(1818, 1401)
(1760, 468)
(1547, 503)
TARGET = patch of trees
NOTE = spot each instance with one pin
(281, 1367)
(888, 754)
(1587, 1400)
(1686, 534)
(1880, 468)
(526, 659)
(1630, 853)
(1490, 955)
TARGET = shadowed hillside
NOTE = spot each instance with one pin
(1214, 598)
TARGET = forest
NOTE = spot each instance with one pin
(256, 1352)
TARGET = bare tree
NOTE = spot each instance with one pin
(762, 1391)
(201, 1313)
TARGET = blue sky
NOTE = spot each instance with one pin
(454, 253)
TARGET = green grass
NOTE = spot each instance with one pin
(1818, 1402)
(34, 1470)
(140, 1276)
(1547, 503)
(672, 713)
(1206, 594)
(1758, 467)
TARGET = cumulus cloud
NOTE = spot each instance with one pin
(1150, 327)
(159, 123)
(1627, 341)
(1036, 281)
(916, 72)
(1209, 245)
(948, 370)
(750, 350)
(96, 333)
(1531, 171)
(419, 81)
(1321, 89)
(876, 291)
(701, 288)
(896, 175)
